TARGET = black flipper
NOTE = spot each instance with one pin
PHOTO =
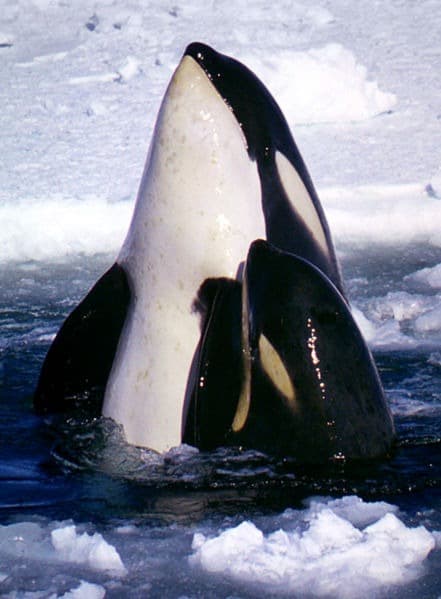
(216, 382)
(78, 363)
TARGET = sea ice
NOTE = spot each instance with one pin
(430, 321)
(92, 550)
(427, 276)
(86, 590)
(331, 555)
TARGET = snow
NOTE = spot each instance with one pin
(383, 214)
(57, 227)
(85, 84)
(334, 86)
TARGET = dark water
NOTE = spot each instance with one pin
(85, 472)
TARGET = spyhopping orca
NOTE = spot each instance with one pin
(186, 338)
(306, 384)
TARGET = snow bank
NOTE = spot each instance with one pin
(330, 555)
(321, 85)
(56, 227)
(382, 214)
(82, 139)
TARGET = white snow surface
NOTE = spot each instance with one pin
(334, 87)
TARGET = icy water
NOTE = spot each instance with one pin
(154, 510)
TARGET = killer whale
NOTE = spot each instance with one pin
(294, 392)
(294, 219)
(222, 171)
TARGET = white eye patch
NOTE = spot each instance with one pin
(300, 200)
(275, 369)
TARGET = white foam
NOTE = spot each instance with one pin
(92, 550)
(321, 85)
(330, 556)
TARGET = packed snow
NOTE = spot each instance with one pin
(335, 87)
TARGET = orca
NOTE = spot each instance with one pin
(222, 171)
(306, 386)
